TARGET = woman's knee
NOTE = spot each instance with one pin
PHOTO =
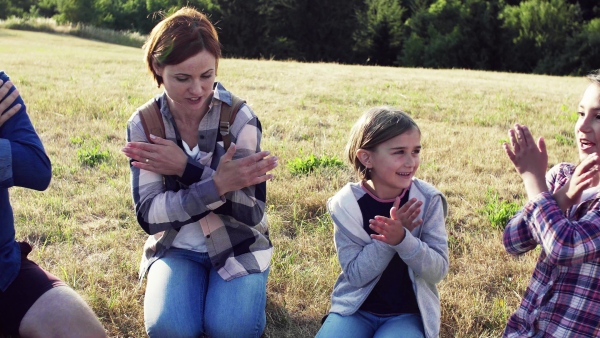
(241, 301)
(165, 327)
(235, 325)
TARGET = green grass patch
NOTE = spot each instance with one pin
(93, 156)
(564, 140)
(299, 166)
(498, 211)
(569, 115)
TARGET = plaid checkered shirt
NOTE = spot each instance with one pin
(234, 225)
(563, 295)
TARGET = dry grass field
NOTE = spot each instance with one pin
(80, 94)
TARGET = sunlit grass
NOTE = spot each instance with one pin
(80, 94)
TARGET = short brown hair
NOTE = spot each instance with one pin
(374, 127)
(178, 37)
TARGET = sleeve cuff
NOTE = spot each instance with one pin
(540, 200)
(211, 198)
(408, 247)
(192, 173)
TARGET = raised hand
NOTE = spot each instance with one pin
(392, 230)
(232, 175)
(163, 157)
(5, 102)
(583, 178)
(529, 159)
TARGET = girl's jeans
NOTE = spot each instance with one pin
(364, 324)
(185, 297)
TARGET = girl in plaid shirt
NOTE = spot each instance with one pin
(563, 217)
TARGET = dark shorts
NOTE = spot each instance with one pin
(31, 283)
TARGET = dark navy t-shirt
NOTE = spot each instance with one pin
(393, 294)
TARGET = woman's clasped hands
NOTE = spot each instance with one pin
(166, 158)
(162, 157)
(236, 174)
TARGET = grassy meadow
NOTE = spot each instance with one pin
(80, 94)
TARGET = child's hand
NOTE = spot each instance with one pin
(583, 176)
(529, 158)
(393, 230)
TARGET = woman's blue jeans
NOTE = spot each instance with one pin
(362, 324)
(185, 297)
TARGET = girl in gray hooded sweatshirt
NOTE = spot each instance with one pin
(390, 236)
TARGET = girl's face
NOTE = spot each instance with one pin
(393, 163)
(189, 85)
(587, 127)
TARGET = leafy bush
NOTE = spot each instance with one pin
(300, 166)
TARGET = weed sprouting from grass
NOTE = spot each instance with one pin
(77, 140)
(306, 166)
(498, 212)
(92, 157)
(570, 116)
(563, 140)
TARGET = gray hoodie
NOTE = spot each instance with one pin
(363, 260)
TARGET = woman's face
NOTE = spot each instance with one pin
(587, 127)
(189, 84)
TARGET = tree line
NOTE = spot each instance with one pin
(559, 37)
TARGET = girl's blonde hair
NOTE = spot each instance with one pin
(374, 127)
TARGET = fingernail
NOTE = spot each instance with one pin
(152, 136)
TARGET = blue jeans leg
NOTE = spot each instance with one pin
(185, 297)
(362, 324)
(236, 308)
(405, 326)
(174, 300)
(355, 325)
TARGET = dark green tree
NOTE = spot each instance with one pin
(454, 34)
(583, 50)
(75, 11)
(539, 31)
(311, 30)
(242, 27)
(379, 37)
